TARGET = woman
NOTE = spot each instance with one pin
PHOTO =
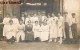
(5, 22)
(45, 31)
(36, 30)
(10, 33)
(27, 19)
(15, 23)
(29, 36)
(20, 32)
(60, 28)
(34, 18)
(53, 28)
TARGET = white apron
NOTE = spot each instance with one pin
(36, 31)
(5, 22)
(60, 27)
(20, 32)
(45, 33)
(53, 28)
(10, 31)
(15, 23)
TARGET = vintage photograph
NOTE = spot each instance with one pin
(39, 24)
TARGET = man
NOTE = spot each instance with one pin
(66, 25)
(74, 26)
(20, 32)
(53, 28)
(36, 30)
(60, 27)
(44, 36)
(10, 33)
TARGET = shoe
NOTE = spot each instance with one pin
(60, 41)
(50, 40)
(55, 40)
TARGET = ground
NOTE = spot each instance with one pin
(37, 46)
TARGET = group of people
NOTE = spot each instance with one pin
(34, 28)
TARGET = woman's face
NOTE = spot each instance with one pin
(7, 16)
(29, 21)
(28, 16)
(22, 15)
(59, 14)
(11, 22)
(14, 16)
(36, 22)
(45, 22)
(21, 22)
(35, 15)
(48, 16)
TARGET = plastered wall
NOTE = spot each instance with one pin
(73, 6)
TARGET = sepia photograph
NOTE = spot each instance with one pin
(39, 24)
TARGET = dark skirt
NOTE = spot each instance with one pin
(29, 36)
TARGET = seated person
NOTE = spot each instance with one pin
(44, 35)
(29, 36)
(10, 33)
(36, 30)
(20, 32)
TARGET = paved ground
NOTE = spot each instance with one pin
(38, 46)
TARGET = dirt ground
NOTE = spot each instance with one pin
(37, 46)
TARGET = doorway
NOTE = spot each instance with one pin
(48, 6)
